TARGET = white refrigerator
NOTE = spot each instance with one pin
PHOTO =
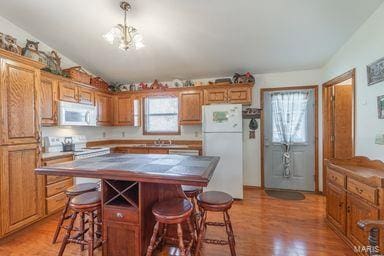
(223, 137)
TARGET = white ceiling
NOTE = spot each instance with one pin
(194, 38)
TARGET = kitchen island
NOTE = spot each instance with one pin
(131, 184)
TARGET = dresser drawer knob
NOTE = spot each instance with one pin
(359, 190)
(119, 215)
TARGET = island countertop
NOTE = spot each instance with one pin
(165, 169)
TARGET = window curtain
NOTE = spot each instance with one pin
(288, 112)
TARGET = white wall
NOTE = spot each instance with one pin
(364, 47)
(7, 27)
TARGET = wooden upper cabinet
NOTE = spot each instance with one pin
(240, 94)
(104, 107)
(68, 91)
(190, 111)
(217, 95)
(123, 111)
(22, 197)
(49, 87)
(336, 206)
(20, 103)
(357, 210)
(86, 96)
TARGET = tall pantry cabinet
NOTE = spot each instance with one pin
(21, 190)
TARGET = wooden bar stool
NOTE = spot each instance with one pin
(191, 192)
(215, 201)
(88, 204)
(70, 193)
(176, 212)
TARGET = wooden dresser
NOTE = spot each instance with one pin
(355, 191)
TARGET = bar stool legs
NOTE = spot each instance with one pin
(216, 202)
(63, 217)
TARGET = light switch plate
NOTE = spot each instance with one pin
(379, 139)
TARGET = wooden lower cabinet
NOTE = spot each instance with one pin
(55, 198)
(358, 209)
(121, 239)
(352, 192)
(22, 191)
(336, 206)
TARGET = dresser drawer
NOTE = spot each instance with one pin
(363, 190)
(56, 202)
(336, 178)
(53, 179)
(58, 187)
(121, 214)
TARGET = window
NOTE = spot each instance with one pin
(290, 110)
(161, 115)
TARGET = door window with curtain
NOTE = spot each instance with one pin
(161, 115)
(293, 121)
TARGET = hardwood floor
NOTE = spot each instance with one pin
(262, 225)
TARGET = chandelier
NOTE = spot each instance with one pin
(126, 36)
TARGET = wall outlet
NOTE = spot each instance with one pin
(104, 134)
(196, 133)
(123, 134)
(379, 139)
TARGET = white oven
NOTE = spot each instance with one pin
(76, 114)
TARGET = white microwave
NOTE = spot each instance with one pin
(76, 114)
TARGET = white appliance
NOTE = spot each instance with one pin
(54, 144)
(76, 114)
(223, 137)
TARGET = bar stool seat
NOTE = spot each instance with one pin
(85, 204)
(81, 188)
(86, 200)
(215, 201)
(71, 192)
(191, 191)
(175, 211)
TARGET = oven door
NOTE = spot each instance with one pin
(76, 114)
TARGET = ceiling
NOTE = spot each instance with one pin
(196, 38)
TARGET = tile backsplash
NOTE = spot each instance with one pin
(192, 132)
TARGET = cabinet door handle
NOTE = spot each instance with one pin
(334, 178)
(341, 204)
(119, 215)
(348, 209)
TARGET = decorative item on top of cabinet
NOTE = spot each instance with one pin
(99, 83)
(10, 44)
(245, 78)
(49, 87)
(190, 103)
(123, 110)
(78, 74)
(19, 99)
(104, 106)
(354, 192)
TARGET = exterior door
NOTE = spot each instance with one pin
(302, 152)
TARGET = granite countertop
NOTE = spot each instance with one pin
(165, 169)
